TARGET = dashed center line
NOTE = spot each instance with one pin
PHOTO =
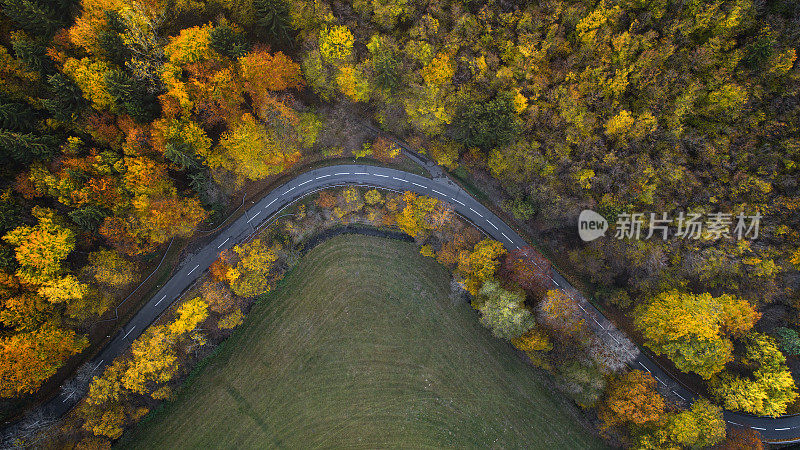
(759, 428)
(379, 175)
(490, 223)
(98, 365)
(254, 216)
(440, 193)
(400, 179)
(459, 202)
(782, 429)
(342, 173)
(290, 190)
(162, 299)
(645, 367)
(419, 185)
(360, 173)
(679, 395)
(305, 182)
(556, 282)
(504, 235)
(223, 242)
(481, 215)
(734, 423)
(321, 177)
(129, 332)
(193, 269)
(270, 203)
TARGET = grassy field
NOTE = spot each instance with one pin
(362, 347)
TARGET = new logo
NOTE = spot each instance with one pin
(591, 225)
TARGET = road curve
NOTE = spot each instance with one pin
(780, 429)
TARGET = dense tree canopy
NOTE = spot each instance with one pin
(694, 331)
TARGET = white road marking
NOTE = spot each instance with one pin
(254, 216)
(440, 193)
(223, 242)
(193, 269)
(379, 175)
(490, 223)
(270, 203)
(98, 365)
(162, 299)
(304, 182)
(657, 379)
(759, 428)
(400, 179)
(360, 173)
(480, 215)
(68, 397)
(782, 429)
(615, 339)
(290, 190)
(556, 282)
(579, 305)
(322, 176)
(734, 423)
(504, 235)
(645, 367)
(342, 173)
(679, 395)
(419, 185)
(129, 332)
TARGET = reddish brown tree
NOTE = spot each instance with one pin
(529, 270)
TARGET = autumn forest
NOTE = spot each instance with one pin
(129, 125)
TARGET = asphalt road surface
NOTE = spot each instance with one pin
(781, 429)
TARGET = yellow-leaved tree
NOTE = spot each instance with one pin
(694, 331)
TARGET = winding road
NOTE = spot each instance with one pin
(781, 429)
